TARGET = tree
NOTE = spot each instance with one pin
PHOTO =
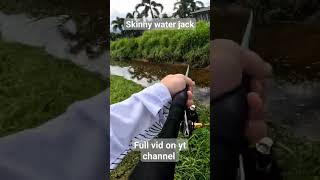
(184, 8)
(165, 15)
(130, 15)
(133, 15)
(134, 33)
(151, 7)
(118, 24)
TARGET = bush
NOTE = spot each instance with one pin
(198, 57)
(189, 46)
(124, 49)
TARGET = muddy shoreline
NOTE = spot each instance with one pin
(146, 74)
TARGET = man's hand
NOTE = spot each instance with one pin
(178, 82)
(256, 128)
(229, 62)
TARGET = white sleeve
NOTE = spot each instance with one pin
(139, 117)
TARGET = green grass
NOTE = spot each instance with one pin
(191, 46)
(195, 161)
(36, 87)
(121, 89)
(298, 157)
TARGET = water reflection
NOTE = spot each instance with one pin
(46, 33)
(86, 37)
(90, 20)
(146, 74)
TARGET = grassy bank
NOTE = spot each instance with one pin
(298, 157)
(195, 161)
(191, 46)
(36, 87)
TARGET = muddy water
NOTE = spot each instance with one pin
(46, 33)
(146, 74)
(293, 50)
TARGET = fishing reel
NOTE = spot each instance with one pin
(191, 121)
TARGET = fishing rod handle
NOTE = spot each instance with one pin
(164, 170)
(229, 114)
(176, 115)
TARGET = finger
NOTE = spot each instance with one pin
(191, 88)
(190, 82)
(190, 103)
(255, 104)
(190, 98)
(258, 87)
(253, 65)
(190, 95)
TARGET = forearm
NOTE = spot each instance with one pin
(133, 117)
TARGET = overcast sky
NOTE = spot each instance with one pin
(120, 8)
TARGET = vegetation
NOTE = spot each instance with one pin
(115, 36)
(268, 11)
(195, 163)
(191, 46)
(184, 8)
(151, 7)
(121, 89)
(118, 24)
(283, 10)
(131, 15)
(196, 160)
(297, 157)
(36, 87)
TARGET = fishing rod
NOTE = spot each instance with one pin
(245, 43)
(178, 118)
(247, 34)
(191, 118)
(231, 111)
